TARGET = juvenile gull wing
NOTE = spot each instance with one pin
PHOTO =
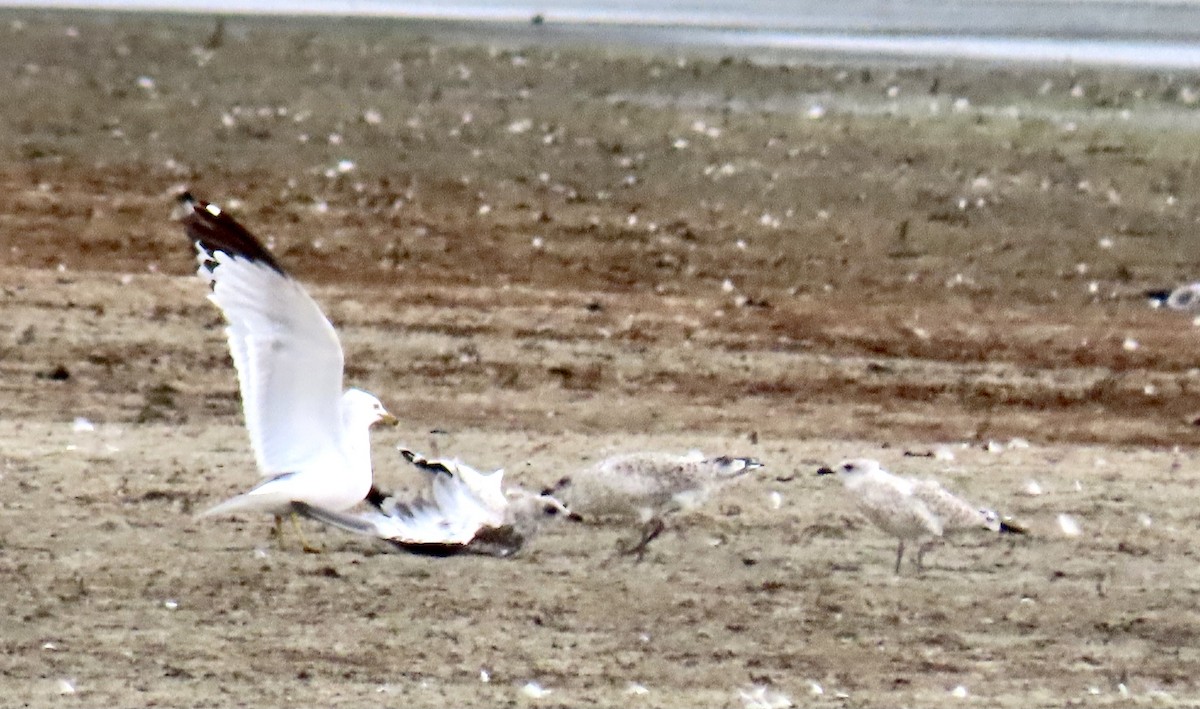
(954, 512)
(890, 504)
(287, 355)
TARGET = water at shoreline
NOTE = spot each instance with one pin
(1126, 34)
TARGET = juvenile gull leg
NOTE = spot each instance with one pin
(651, 530)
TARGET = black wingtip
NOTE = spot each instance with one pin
(825, 471)
(427, 464)
(209, 226)
(1009, 528)
(375, 497)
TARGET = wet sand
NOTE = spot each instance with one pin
(552, 253)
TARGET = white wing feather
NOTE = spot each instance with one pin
(453, 515)
(288, 360)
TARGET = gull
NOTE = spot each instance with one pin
(912, 509)
(467, 512)
(1184, 297)
(310, 439)
(647, 486)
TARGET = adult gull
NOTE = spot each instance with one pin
(310, 439)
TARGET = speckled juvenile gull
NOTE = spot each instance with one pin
(646, 487)
(466, 512)
(309, 437)
(912, 509)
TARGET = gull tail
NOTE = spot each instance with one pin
(350, 523)
(241, 503)
(271, 495)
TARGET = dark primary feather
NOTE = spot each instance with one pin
(209, 226)
(1158, 296)
(1010, 528)
(490, 541)
(430, 465)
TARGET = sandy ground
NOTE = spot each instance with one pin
(550, 254)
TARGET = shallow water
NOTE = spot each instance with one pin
(1133, 33)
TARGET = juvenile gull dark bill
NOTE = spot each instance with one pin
(466, 512)
(912, 509)
(647, 487)
(310, 439)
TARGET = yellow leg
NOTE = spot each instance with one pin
(308, 548)
(277, 532)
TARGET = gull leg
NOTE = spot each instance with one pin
(308, 548)
(899, 556)
(277, 532)
(921, 554)
(650, 531)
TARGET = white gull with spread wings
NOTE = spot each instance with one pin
(466, 511)
(309, 437)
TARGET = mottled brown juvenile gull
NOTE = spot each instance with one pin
(466, 512)
(647, 487)
(912, 509)
(310, 439)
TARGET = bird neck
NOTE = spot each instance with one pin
(356, 441)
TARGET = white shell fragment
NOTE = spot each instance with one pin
(533, 690)
(762, 697)
(1068, 525)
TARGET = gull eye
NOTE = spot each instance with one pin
(551, 510)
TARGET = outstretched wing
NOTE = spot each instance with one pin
(448, 521)
(287, 355)
(475, 495)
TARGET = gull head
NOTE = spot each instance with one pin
(531, 506)
(361, 408)
(991, 519)
(854, 468)
(729, 467)
(1185, 297)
